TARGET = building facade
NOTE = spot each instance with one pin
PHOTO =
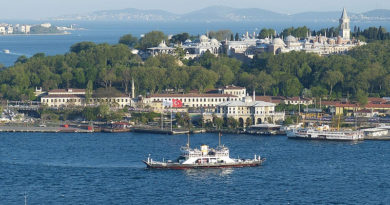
(247, 110)
(61, 98)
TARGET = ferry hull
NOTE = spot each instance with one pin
(201, 166)
(323, 138)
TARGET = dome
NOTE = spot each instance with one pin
(188, 41)
(203, 38)
(248, 99)
(214, 41)
(162, 44)
(278, 41)
(291, 38)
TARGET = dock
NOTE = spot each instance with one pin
(159, 131)
(42, 129)
(382, 138)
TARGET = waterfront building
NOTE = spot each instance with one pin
(246, 111)
(207, 101)
(2, 30)
(380, 106)
(9, 29)
(60, 98)
(22, 28)
(193, 100)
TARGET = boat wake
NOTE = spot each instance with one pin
(66, 165)
(17, 54)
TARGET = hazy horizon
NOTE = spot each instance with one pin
(41, 9)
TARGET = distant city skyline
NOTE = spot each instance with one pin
(41, 9)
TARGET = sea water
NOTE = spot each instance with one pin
(101, 168)
(104, 32)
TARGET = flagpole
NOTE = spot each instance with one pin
(162, 118)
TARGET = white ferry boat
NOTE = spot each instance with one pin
(204, 157)
(6, 51)
(312, 134)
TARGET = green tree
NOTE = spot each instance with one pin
(180, 38)
(266, 33)
(331, 78)
(362, 98)
(82, 46)
(218, 122)
(128, 40)
(151, 39)
(265, 81)
(88, 92)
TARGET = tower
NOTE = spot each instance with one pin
(345, 30)
(132, 88)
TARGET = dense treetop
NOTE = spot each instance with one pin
(363, 71)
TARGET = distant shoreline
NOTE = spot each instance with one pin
(43, 34)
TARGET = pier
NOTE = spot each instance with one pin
(42, 129)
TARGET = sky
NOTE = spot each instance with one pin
(41, 9)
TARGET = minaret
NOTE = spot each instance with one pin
(345, 30)
(254, 96)
(132, 88)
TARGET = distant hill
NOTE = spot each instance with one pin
(123, 15)
(223, 14)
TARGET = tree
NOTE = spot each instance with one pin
(232, 123)
(128, 40)
(180, 38)
(248, 122)
(265, 81)
(151, 39)
(237, 37)
(362, 98)
(88, 92)
(331, 78)
(82, 46)
(266, 33)
(220, 35)
(218, 122)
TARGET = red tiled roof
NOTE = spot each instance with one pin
(191, 95)
(369, 105)
(296, 98)
(271, 99)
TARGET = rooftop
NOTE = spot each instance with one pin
(191, 95)
(246, 104)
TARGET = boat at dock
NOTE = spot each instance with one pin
(314, 134)
(204, 157)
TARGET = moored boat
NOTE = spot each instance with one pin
(313, 134)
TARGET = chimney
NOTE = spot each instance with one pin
(254, 95)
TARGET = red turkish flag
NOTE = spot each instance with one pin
(177, 103)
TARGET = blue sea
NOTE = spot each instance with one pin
(99, 168)
(104, 32)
